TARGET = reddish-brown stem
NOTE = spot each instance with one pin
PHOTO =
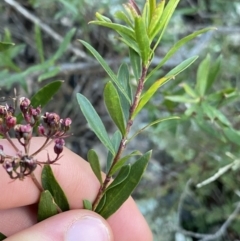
(122, 145)
(36, 182)
(6, 135)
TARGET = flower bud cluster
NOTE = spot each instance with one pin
(53, 128)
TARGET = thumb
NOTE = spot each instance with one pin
(74, 225)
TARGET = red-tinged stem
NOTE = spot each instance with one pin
(122, 145)
(6, 135)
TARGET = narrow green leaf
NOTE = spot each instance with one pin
(156, 20)
(105, 66)
(146, 14)
(123, 17)
(202, 75)
(116, 139)
(46, 206)
(121, 176)
(49, 74)
(64, 45)
(149, 93)
(38, 41)
(154, 123)
(4, 46)
(50, 184)
(68, 5)
(130, 43)
(152, 6)
(113, 104)
(189, 90)
(124, 80)
(117, 27)
(87, 204)
(100, 17)
(95, 164)
(182, 99)
(181, 67)
(232, 135)
(122, 162)
(142, 40)
(213, 73)
(135, 63)
(101, 204)
(94, 122)
(117, 195)
(2, 236)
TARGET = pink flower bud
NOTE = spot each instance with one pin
(7, 165)
(52, 120)
(58, 148)
(65, 124)
(24, 104)
(41, 130)
(23, 131)
(3, 110)
(11, 121)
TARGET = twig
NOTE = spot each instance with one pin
(45, 28)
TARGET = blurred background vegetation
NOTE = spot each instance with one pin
(186, 152)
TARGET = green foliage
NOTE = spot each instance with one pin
(2, 236)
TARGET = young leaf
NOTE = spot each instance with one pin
(122, 162)
(87, 204)
(100, 17)
(46, 206)
(149, 93)
(4, 46)
(95, 122)
(135, 63)
(113, 104)
(202, 76)
(95, 165)
(188, 89)
(117, 195)
(116, 139)
(232, 135)
(50, 184)
(123, 17)
(142, 40)
(2, 236)
(182, 99)
(106, 67)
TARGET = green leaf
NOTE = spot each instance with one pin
(177, 46)
(142, 40)
(39, 43)
(100, 17)
(94, 122)
(2, 236)
(232, 135)
(64, 45)
(117, 27)
(50, 184)
(68, 5)
(116, 139)
(152, 6)
(105, 66)
(135, 63)
(213, 73)
(95, 165)
(101, 204)
(156, 20)
(122, 161)
(46, 206)
(182, 99)
(149, 93)
(121, 176)
(202, 76)
(87, 204)
(188, 89)
(117, 195)
(49, 74)
(123, 78)
(113, 104)
(154, 123)
(181, 67)
(123, 17)
(4, 46)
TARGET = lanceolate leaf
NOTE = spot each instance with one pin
(105, 66)
(116, 139)
(117, 195)
(113, 104)
(122, 162)
(100, 17)
(50, 184)
(87, 204)
(95, 165)
(202, 76)
(135, 63)
(232, 135)
(46, 206)
(142, 39)
(5, 46)
(122, 16)
(149, 93)
(94, 122)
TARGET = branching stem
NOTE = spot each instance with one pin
(122, 145)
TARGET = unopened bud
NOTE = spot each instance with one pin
(65, 124)
(7, 165)
(11, 121)
(24, 104)
(58, 148)
(41, 130)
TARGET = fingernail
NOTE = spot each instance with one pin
(87, 229)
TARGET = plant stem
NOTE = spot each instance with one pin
(122, 145)
(6, 135)
(36, 182)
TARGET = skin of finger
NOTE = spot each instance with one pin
(78, 182)
(55, 228)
